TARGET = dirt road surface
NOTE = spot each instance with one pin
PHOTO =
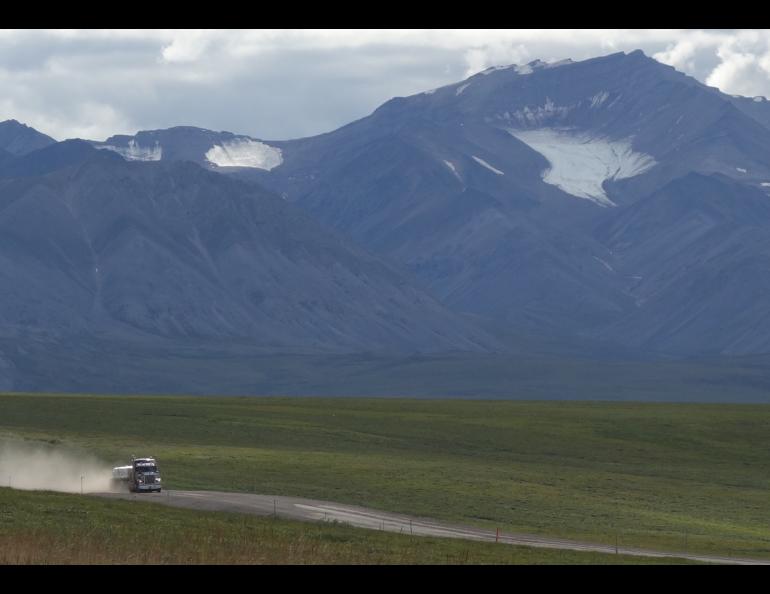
(314, 511)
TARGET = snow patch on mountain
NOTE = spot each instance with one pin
(245, 152)
(134, 152)
(580, 163)
(518, 68)
(604, 263)
(741, 169)
(539, 115)
(461, 89)
(599, 98)
(483, 163)
(453, 169)
(528, 68)
(565, 62)
(492, 69)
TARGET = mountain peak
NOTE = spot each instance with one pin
(13, 124)
(529, 67)
(19, 139)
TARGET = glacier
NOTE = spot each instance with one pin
(244, 152)
(581, 163)
(134, 152)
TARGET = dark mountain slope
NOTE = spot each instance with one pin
(170, 250)
(697, 258)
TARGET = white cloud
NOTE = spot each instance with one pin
(87, 120)
(277, 84)
(683, 52)
(479, 59)
(744, 67)
(679, 55)
(186, 46)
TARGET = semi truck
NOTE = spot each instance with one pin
(141, 476)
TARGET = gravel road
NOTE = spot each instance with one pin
(313, 511)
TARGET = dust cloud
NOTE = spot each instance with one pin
(52, 468)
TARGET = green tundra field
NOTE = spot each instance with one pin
(45, 528)
(672, 477)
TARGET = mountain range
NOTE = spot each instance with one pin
(604, 208)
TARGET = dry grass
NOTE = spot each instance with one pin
(46, 548)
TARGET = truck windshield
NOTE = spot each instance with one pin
(144, 469)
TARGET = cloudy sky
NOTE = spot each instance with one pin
(278, 84)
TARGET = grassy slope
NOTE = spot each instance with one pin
(648, 473)
(41, 527)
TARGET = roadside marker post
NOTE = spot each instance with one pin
(81, 485)
(497, 535)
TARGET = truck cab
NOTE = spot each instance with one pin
(142, 476)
